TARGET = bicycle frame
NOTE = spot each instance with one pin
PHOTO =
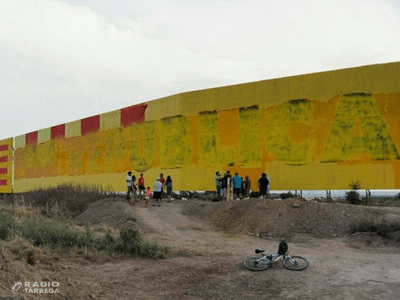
(294, 263)
(275, 258)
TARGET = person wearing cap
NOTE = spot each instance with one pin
(157, 192)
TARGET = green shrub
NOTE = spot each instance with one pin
(383, 229)
(130, 241)
(54, 232)
(65, 197)
(287, 195)
(355, 185)
(353, 197)
(7, 225)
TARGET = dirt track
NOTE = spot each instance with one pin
(208, 265)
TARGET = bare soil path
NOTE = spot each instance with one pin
(206, 264)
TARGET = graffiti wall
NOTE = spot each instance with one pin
(6, 159)
(316, 131)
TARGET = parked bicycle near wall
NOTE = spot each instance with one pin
(295, 263)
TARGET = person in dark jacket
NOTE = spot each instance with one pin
(263, 184)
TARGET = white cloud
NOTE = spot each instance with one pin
(83, 57)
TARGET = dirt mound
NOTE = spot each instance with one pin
(271, 218)
(113, 211)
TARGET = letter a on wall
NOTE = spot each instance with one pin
(359, 132)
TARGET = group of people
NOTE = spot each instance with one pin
(229, 186)
(139, 189)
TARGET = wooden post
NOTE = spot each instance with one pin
(368, 197)
(329, 195)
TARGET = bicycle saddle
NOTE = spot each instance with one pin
(259, 251)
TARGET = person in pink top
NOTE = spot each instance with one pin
(148, 196)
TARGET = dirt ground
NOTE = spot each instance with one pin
(206, 263)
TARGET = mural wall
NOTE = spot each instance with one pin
(6, 159)
(316, 131)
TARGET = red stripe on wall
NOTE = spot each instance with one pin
(3, 170)
(133, 114)
(90, 125)
(58, 132)
(3, 182)
(31, 138)
(3, 158)
(3, 147)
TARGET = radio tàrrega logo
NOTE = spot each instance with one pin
(16, 286)
(35, 287)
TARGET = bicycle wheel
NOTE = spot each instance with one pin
(295, 263)
(252, 264)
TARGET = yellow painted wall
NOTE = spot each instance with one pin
(316, 131)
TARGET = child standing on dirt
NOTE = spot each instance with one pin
(148, 195)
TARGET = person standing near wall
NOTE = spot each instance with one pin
(142, 188)
(223, 186)
(237, 185)
(217, 180)
(263, 185)
(133, 190)
(242, 189)
(269, 185)
(157, 192)
(229, 186)
(247, 186)
(168, 184)
(128, 184)
(162, 180)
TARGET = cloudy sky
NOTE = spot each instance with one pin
(63, 60)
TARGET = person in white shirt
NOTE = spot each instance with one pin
(157, 192)
(129, 184)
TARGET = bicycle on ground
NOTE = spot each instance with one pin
(295, 263)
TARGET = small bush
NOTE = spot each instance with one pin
(130, 241)
(7, 225)
(353, 197)
(355, 185)
(54, 232)
(254, 194)
(383, 229)
(287, 195)
(65, 197)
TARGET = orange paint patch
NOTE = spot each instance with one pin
(299, 132)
